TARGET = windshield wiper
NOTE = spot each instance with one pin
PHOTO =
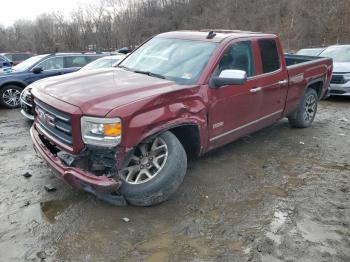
(149, 74)
(124, 67)
(142, 72)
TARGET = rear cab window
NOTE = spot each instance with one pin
(270, 59)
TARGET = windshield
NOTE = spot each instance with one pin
(26, 64)
(175, 59)
(101, 63)
(338, 53)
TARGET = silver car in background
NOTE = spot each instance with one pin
(104, 62)
(340, 83)
(311, 51)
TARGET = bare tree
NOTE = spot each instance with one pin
(110, 24)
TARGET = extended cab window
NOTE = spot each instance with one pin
(239, 57)
(269, 55)
(53, 63)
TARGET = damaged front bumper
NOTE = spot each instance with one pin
(103, 187)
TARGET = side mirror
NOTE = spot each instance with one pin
(124, 50)
(37, 70)
(229, 77)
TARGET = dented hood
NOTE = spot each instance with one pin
(97, 92)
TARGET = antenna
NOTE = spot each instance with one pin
(211, 35)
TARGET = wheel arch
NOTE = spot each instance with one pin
(188, 133)
(317, 85)
(14, 82)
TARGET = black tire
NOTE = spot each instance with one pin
(304, 115)
(163, 185)
(4, 93)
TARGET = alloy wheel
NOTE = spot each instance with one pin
(11, 97)
(147, 161)
(310, 108)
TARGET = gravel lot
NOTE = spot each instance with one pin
(280, 194)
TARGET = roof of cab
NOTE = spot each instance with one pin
(219, 34)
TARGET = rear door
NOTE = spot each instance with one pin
(234, 108)
(272, 79)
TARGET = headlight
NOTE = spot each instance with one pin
(101, 131)
(27, 94)
(347, 77)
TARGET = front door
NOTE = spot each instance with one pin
(234, 108)
(52, 66)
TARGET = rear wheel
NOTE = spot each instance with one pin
(154, 171)
(10, 96)
(306, 111)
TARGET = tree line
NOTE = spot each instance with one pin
(112, 24)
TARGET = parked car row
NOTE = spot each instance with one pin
(17, 57)
(102, 62)
(4, 62)
(14, 80)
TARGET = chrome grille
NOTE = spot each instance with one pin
(54, 122)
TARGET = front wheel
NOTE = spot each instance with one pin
(306, 111)
(154, 171)
(10, 96)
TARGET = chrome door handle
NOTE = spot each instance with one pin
(255, 90)
(283, 82)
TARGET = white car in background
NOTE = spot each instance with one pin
(311, 51)
(340, 83)
(104, 62)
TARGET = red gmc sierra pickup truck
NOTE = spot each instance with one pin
(125, 133)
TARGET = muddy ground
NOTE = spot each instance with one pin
(278, 195)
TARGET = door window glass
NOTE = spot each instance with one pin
(75, 61)
(53, 63)
(237, 57)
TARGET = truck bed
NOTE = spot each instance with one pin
(303, 71)
(297, 59)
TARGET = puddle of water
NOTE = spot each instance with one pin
(202, 247)
(243, 205)
(159, 256)
(269, 258)
(314, 232)
(52, 209)
(295, 182)
(164, 241)
(239, 247)
(275, 191)
(161, 246)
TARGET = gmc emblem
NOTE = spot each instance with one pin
(45, 117)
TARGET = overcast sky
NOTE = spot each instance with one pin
(12, 10)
